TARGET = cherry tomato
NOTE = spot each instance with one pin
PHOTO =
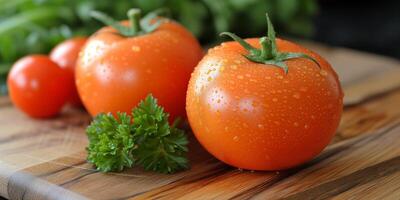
(115, 72)
(65, 55)
(254, 115)
(38, 86)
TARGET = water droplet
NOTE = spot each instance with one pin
(323, 72)
(306, 126)
(296, 95)
(235, 138)
(135, 48)
(240, 77)
(274, 99)
(296, 124)
(260, 126)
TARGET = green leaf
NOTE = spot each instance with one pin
(43, 15)
(160, 147)
(287, 9)
(110, 142)
(150, 141)
(222, 14)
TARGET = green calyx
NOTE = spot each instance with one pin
(137, 24)
(268, 54)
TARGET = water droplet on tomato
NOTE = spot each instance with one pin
(323, 72)
(135, 48)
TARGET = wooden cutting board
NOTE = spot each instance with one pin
(45, 159)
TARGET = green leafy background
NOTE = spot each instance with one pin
(35, 26)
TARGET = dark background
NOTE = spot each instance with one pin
(372, 26)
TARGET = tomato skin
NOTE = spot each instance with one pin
(38, 86)
(254, 116)
(115, 73)
(65, 55)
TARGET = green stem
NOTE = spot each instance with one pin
(134, 16)
(137, 24)
(265, 48)
(268, 53)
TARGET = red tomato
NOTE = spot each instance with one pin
(115, 72)
(65, 55)
(38, 86)
(255, 116)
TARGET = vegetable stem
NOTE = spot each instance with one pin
(134, 16)
(268, 53)
(137, 24)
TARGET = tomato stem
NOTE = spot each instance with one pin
(268, 54)
(134, 16)
(137, 25)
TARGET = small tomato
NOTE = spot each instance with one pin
(65, 55)
(38, 86)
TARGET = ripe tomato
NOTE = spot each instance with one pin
(65, 55)
(115, 72)
(38, 86)
(255, 116)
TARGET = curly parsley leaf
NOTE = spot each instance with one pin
(110, 142)
(116, 143)
(160, 147)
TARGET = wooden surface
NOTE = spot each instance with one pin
(46, 159)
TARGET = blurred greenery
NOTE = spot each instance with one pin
(35, 26)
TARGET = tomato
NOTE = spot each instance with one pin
(115, 72)
(253, 115)
(65, 55)
(38, 86)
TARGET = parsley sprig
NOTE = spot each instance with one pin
(148, 141)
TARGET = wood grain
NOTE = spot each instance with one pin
(46, 159)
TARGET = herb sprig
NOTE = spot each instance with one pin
(149, 141)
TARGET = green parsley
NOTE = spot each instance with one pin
(116, 143)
